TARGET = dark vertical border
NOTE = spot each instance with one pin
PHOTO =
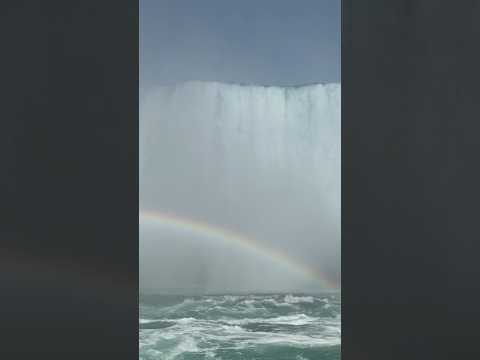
(69, 129)
(410, 179)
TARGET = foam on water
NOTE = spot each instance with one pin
(298, 299)
(307, 327)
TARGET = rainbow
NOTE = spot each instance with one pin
(215, 233)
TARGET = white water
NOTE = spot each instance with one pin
(216, 327)
(262, 160)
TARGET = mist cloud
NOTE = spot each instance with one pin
(262, 161)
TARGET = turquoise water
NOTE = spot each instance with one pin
(246, 327)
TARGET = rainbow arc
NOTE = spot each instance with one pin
(215, 233)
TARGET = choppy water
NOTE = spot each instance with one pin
(246, 327)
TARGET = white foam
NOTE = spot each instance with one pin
(184, 321)
(204, 335)
(187, 344)
(291, 299)
(294, 340)
(300, 357)
(146, 321)
(297, 319)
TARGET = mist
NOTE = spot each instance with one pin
(260, 161)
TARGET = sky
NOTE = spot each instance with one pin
(267, 42)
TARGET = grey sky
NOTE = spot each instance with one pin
(271, 42)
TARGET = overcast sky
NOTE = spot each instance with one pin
(271, 42)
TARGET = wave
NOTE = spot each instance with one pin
(277, 326)
(188, 344)
(298, 319)
(291, 299)
(236, 336)
(246, 307)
